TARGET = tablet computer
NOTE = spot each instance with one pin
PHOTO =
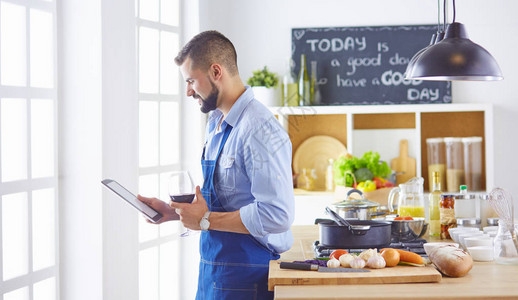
(118, 189)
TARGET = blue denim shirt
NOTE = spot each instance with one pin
(253, 173)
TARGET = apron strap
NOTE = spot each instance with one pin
(228, 129)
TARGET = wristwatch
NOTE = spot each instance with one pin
(204, 223)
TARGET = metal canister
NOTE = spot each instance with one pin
(492, 221)
(468, 222)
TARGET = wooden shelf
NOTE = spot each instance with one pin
(425, 121)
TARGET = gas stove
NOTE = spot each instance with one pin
(415, 246)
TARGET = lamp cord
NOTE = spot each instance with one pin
(438, 15)
(454, 12)
(444, 14)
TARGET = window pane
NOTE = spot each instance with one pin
(148, 60)
(42, 58)
(15, 235)
(169, 12)
(148, 187)
(13, 47)
(148, 274)
(13, 128)
(148, 134)
(149, 10)
(45, 290)
(42, 138)
(168, 69)
(43, 229)
(19, 294)
(169, 279)
(167, 228)
(169, 133)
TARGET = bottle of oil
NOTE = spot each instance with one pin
(315, 96)
(303, 82)
(290, 95)
(433, 205)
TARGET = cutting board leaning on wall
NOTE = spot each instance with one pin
(404, 166)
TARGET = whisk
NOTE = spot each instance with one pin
(502, 203)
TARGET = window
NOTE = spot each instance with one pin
(28, 144)
(159, 140)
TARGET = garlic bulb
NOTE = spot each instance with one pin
(365, 255)
(376, 262)
(333, 263)
(357, 263)
(345, 260)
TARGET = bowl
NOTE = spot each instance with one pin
(408, 230)
(451, 230)
(429, 247)
(481, 253)
(489, 229)
(455, 234)
(478, 241)
(462, 237)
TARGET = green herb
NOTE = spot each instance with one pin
(263, 78)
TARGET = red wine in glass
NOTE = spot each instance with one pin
(183, 198)
(181, 189)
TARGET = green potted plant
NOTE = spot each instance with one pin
(264, 84)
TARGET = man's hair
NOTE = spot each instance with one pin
(209, 47)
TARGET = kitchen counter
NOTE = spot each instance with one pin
(486, 280)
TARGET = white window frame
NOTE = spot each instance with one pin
(29, 185)
(159, 169)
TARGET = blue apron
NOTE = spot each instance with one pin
(233, 265)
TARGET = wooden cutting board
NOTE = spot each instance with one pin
(398, 274)
(403, 165)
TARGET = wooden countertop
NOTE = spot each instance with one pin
(487, 280)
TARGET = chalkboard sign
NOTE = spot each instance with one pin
(365, 65)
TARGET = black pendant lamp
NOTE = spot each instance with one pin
(456, 57)
(436, 37)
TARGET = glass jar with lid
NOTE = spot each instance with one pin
(436, 155)
(473, 162)
(454, 163)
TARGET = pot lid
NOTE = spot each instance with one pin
(356, 203)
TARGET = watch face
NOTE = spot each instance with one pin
(204, 224)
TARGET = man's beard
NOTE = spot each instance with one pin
(211, 102)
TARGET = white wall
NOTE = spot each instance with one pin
(261, 32)
(79, 92)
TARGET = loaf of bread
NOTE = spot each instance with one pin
(451, 261)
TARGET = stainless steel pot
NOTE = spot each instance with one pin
(359, 209)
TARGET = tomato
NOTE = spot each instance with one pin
(380, 182)
(403, 219)
(388, 184)
(337, 253)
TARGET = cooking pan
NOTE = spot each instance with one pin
(333, 235)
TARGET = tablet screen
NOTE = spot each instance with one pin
(149, 212)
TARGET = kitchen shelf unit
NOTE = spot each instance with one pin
(426, 120)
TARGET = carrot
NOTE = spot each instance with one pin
(408, 256)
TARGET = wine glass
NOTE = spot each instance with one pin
(181, 189)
